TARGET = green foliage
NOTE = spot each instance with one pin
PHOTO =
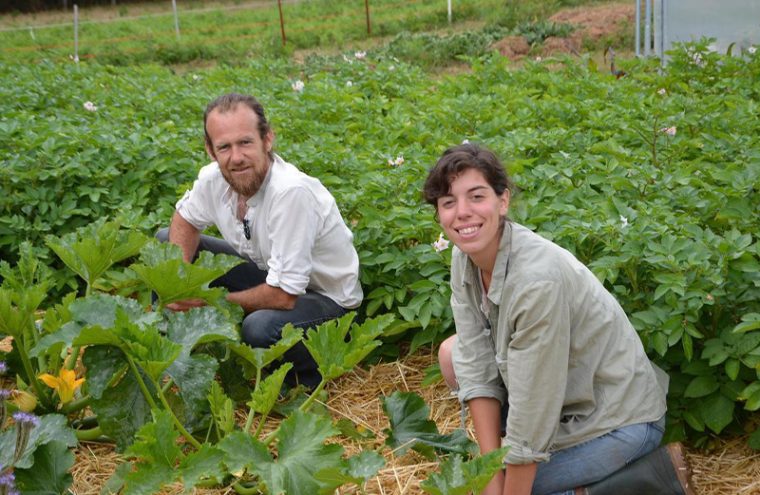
(336, 351)
(52, 428)
(357, 470)
(156, 446)
(165, 273)
(236, 33)
(537, 32)
(460, 477)
(260, 358)
(91, 251)
(649, 179)
(49, 474)
(301, 452)
(411, 428)
(264, 397)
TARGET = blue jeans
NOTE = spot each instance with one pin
(263, 328)
(596, 459)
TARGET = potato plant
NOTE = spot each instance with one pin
(650, 179)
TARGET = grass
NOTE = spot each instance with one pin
(231, 32)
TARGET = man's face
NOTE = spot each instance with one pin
(236, 145)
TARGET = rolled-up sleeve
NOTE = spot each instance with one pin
(293, 232)
(536, 370)
(473, 356)
(196, 205)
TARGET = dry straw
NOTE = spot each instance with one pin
(731, 468)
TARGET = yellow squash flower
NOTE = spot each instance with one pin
(65, 384)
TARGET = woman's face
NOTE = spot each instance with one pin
(471, 214)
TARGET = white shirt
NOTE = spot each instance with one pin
(297, 233)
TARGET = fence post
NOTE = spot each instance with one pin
(638, 28)
(282, 22)
(76, 33)
(647, 27)
(176, 18)
(366, 12)
(449, 2)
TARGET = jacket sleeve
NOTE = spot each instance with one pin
(473, 355)
(536, 367)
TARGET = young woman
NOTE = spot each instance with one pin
(539, 341)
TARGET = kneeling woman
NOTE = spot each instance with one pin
(540, 342)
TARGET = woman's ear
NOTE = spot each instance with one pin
(504, 203)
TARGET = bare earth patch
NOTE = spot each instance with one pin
(592, 24)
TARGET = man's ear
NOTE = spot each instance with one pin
(210, 151)
(269, 141)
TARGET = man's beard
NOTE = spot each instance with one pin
(245, 187)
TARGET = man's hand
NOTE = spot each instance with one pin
(186, 304)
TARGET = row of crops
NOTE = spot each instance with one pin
(651, 179)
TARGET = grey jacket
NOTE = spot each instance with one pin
(554, 343)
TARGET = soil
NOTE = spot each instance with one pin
(593, 24)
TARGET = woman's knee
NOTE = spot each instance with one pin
(446, 363)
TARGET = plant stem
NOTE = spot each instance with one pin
(303, 408)
(307, 403)
(249, 418)
(242, 490)
(195, 443)
(141, 383)
(76, 405)
(260, 426)
(71, 361)
(30, 371)
(89, 434)
(167, 385)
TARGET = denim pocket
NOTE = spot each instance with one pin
(650, 441)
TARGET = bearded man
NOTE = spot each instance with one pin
(301, 266)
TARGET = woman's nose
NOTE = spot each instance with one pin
(463, 209)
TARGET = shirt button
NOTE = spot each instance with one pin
(487, 332)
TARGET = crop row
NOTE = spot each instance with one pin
(651, 179)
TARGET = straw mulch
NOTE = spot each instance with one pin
(732, 468)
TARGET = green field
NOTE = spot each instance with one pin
(651, 179)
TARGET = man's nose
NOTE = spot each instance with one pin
(236, 154)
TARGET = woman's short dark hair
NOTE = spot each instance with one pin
(457, 160)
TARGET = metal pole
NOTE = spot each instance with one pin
(663, 13)
(449, 2)
(176, 18)
(282, 22)
(366, 13)
(76, 33)
(648, 27)
(638, 28)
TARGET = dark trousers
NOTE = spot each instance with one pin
(263, 328)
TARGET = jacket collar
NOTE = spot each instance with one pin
(499, 269)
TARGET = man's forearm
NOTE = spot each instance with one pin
(185, 235)
(262, 296)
